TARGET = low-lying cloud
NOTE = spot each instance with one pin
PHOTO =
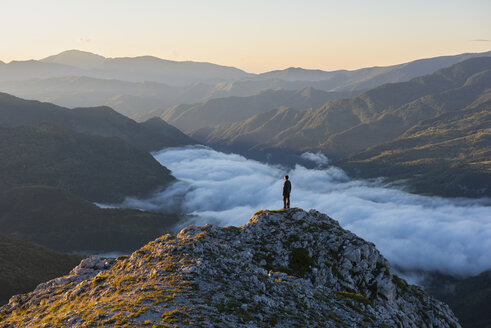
(414, 232)
(318, 158)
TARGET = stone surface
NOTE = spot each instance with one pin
(287, 268)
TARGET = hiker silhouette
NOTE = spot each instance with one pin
(287, 188)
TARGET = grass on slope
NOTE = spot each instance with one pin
(449, 155)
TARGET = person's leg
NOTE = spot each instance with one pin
(288, 201)
(284, 202)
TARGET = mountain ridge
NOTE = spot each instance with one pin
(353, 79)
(118, 82)
(101, 121)
(281, 268)
(142, 68)
(93, 167)
(83, 59)
(233, 109)
(343, 128)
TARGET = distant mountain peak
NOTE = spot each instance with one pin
(292, 69)
(76, 52)
(145, 58)
(301, 69)
(77, 58)
(296, 74)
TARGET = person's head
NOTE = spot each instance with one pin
(286, 177)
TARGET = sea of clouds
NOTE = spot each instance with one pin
(414, 232)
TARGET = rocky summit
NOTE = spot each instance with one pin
(286, 268)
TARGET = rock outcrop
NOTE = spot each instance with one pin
(287, 268)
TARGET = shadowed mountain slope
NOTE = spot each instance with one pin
(469, 298)
(102, 121)
(24, 265)
(61, 221)
(93, 167)
(283, 268)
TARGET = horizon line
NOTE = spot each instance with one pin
(237, 67)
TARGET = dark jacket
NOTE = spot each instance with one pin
(287, 187)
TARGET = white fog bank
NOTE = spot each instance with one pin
(414, 232)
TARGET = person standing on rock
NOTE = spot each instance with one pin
(287, 188)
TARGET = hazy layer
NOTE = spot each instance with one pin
(253, 35)
(413, 232)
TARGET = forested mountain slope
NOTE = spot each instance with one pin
(451, 103)
(101, 121)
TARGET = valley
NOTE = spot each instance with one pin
(452, 105)
(404, 154)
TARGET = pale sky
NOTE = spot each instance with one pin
(254, 35)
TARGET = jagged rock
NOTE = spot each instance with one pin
(287, 268)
